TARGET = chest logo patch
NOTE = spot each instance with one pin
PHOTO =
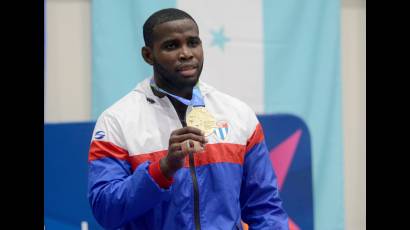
(221, 131)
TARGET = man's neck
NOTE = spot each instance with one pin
(180, 108)
(181, 92)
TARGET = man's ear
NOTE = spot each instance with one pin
(146, 53)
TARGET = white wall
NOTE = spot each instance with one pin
(68, 84)
(354, 111)
(68, 61)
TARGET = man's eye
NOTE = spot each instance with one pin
(170, 46)
(194, 43)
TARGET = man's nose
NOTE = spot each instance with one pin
(185, 53)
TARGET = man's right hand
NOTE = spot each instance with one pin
(181, 143)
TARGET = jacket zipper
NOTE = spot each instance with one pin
(195, 183)
(197, 222)
(196, 191)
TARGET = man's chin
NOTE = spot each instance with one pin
(188, 81)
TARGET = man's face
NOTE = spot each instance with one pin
(177, 53)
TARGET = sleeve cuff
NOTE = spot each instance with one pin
(156, 173)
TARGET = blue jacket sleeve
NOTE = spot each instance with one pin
(117, 195)
(260, 202)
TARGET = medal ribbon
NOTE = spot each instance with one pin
(196, 100)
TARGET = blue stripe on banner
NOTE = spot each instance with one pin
(302, 77)
(117, 38)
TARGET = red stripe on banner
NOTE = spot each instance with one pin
(292, 225)
(257, 137)
(282, 156)
(101, 149)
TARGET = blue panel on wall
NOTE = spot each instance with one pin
(65, 174)
(297, 189)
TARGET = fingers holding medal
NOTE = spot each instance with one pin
(188, 139)
(192, 146)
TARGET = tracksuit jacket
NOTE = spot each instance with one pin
(231, 181)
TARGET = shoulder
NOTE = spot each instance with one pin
(229, 102)
(129, 106)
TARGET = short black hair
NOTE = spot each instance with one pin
(159, 17)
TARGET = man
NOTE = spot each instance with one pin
(175, 153)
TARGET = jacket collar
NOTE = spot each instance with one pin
(144, 87)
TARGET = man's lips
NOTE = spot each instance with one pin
(187, 70)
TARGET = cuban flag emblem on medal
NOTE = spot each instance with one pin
(221, 130)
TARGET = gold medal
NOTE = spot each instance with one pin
(200, 118)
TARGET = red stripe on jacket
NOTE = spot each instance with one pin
(101, 149)
(214, 153)
(256, 138)
(141, 158)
